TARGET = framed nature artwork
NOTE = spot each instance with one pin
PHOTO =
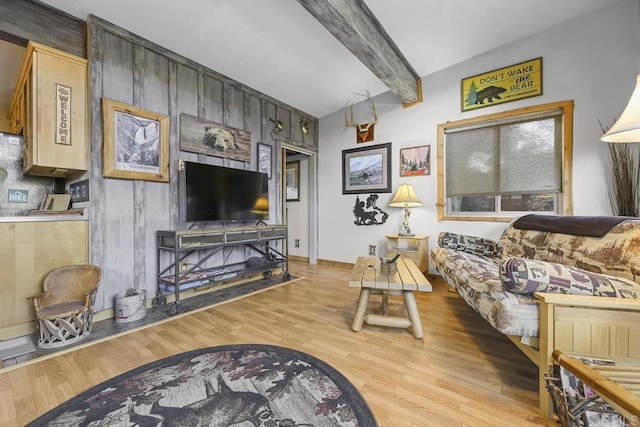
(136, 142)
(79, 191)
(415, 161)
(198, 135)
(264, 159)
(367, 170)
(293, 181)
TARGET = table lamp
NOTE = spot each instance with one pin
(627, 127)
(405, 198)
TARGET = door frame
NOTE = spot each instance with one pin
(313, 194)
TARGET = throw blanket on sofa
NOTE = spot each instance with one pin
(590, 226)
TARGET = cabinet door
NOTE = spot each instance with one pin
(59, 126)
(28, 251)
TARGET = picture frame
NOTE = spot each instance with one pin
(202, 136)
(367, 169)
(293, 181)
(79, 191)
(518, 81)
(135, 142)
(415, 161)
(263, 161)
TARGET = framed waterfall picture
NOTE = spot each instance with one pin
(135, 142)
(367, 170)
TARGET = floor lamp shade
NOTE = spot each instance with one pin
(405, 198)
(627, 127)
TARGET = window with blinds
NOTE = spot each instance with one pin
(505, 165)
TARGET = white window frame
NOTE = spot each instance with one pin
(564, 200)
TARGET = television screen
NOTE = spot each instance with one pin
(216, 193)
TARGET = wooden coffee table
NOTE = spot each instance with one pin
(406, 280)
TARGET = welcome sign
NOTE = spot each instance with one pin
(518, 81)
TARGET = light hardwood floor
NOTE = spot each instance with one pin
(463, 373)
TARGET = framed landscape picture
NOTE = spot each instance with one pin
(293, 181)
(264, 159)
(136, 142)
(367, 170)
(415, 161)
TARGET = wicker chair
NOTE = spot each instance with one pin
(64, 310)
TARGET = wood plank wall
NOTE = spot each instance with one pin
(130, 69)
(125, 214)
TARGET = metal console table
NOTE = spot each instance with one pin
(182, 246)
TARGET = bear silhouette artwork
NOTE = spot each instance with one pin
(489, 93)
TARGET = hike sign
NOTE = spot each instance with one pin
(518, 81)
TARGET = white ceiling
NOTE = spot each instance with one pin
(278, 48)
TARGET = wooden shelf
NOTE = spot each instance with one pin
(413, 247)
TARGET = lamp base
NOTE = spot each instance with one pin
(405, 231)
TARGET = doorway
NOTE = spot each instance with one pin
(299, 206)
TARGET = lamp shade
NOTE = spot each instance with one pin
(261, 206)
(627, 127)
(405, 197)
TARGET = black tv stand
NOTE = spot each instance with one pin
(192, 249)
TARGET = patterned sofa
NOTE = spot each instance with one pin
(571, 283)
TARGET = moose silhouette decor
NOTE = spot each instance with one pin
(366, 212)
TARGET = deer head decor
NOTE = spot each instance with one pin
(364, 131)
(304, 125)
(278, 125)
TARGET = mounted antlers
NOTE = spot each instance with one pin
(364, 131)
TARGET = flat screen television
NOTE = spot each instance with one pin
(217, 193)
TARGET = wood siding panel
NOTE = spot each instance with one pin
(213, 104)
(24, 20)
(151, 199)
(116, 208)
(120, 209)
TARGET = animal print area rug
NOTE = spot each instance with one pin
(232, 385)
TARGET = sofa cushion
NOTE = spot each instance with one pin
(526, 276)
(477, 281)
(469, 244)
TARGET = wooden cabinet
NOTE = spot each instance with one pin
(49, 109)
(28, 251)
(413, 247)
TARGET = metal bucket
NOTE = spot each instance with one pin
(131, 307)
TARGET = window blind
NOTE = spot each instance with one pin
(523, 157)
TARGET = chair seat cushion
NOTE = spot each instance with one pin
(61, 310)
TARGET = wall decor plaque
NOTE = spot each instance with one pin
(518, 81)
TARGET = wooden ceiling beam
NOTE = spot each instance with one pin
(355, 26)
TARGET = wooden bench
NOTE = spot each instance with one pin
(408, 278)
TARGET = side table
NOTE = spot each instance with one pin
(413, 247)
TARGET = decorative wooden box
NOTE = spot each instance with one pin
(389, 268)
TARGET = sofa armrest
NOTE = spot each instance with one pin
(469, 244)
(588, 301)
(584, 324)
